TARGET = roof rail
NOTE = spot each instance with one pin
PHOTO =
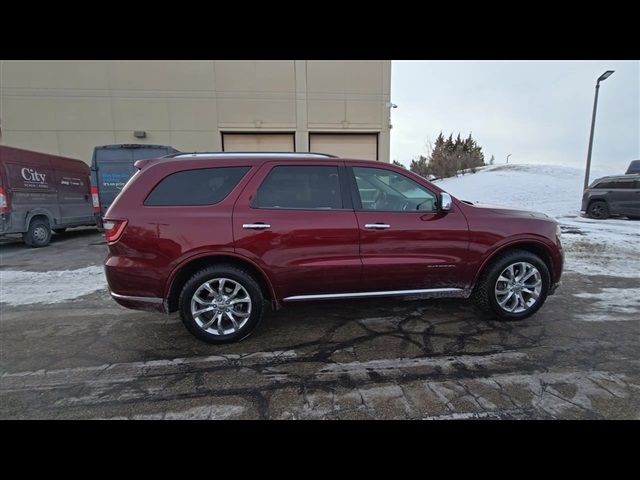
(186, 154)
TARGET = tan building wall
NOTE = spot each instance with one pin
(68, 107)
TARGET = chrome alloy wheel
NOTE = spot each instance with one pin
(518, 287)
(221, 306)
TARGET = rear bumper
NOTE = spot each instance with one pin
(148, 304)
(6, 225)
(134, 285)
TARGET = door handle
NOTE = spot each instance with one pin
(377, 226)
(256, 226)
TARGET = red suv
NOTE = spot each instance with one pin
(216, 235)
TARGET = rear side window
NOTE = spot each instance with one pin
(620, 184)
(302, 187)
(204, 186)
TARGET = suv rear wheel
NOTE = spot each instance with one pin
(598, 209)
(39, 233)
(221, 304)
(514, 285)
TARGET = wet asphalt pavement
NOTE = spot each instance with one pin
(579, 357)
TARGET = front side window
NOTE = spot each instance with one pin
(603, 185)
(300, 187)
(204, 186)
(385, 190)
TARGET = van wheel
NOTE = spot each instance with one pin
(59, 230)
(39, 233)
(513, 286)
(221, 304)
(598, 209)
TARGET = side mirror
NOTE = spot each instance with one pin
(444, 202)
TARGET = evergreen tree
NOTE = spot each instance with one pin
(437, 162)
(421, 166)
(450, 156)
(493, 159)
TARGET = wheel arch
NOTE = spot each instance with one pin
(597, 199)
(35, 213)
(184, 271)
(533, 246)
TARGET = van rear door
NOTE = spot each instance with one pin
(115, 166)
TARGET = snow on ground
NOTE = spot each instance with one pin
(611, 301)
(592, 247)
(25, 288)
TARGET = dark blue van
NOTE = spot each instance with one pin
(111, 168)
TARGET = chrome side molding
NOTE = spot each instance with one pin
(137, 299)
(389, 293)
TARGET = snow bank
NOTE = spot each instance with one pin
(24, 288)
(593, 247)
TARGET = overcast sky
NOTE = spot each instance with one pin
(538, 111)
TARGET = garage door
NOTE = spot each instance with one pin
(258, 142)
(357, 146)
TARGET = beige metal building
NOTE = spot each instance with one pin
(68, 107)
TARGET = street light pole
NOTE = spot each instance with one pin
(602, 77)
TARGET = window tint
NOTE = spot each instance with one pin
(204, 186)
(623, 184)
(306, 187)
(382, 189)
(605, 184)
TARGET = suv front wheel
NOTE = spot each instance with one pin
(514, 285)
(221, 304)
(598, 209)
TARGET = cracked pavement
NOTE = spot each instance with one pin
(578, 358)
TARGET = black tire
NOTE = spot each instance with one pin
(39, 233)
(221, 271)
(484, 292)
(598, 209)
(633, 217)
(59, 231)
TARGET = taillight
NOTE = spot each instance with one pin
(95, 198)
(4, 206)
(113, 229)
